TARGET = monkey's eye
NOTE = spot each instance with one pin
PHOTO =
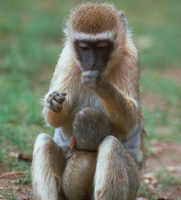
(102, 45)
(84, 46)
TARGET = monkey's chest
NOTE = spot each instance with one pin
(90, 99)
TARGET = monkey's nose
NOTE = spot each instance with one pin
(92, 66)
(92, 59)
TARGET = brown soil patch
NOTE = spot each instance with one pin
(152, 101)
(166, 154)
(12, 189)
(174, 74)
(165, 160)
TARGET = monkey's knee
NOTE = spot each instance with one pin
(116, 175)
(47, 167)
(110, 142)
(41, 141)
(46, 147)
(90, 127)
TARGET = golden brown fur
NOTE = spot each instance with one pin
(77, 179)
(106, 18)
(116, 93)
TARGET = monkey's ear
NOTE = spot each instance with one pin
(123, 20)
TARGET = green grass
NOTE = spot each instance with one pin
(30, 43)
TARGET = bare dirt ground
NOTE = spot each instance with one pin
(166, 155)
(165, 161)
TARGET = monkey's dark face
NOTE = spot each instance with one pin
(93, 55)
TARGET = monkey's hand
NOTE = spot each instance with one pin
(55, 100)
(90, 78)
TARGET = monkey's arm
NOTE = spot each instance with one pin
(122, 110)
(58, 113)
(55, 114)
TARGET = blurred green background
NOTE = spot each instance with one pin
(31, 40)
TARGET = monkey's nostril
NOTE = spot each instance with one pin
(92, 67)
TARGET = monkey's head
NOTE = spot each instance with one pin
(95, 33)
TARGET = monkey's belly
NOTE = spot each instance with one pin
(77, 179)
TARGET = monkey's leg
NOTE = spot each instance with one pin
(47, 167)
(116, 175)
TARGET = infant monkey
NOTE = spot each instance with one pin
(90, 127)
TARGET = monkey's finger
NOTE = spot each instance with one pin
(51, 95)
(48, 100)
(60, 94)
(54, 105)
(63, 94)
(59, 98)
(54, 93)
